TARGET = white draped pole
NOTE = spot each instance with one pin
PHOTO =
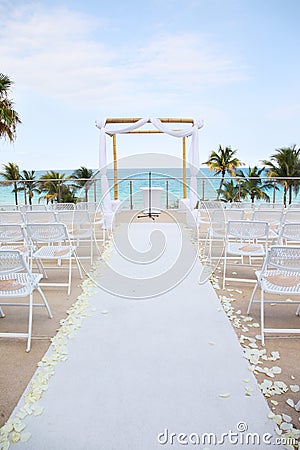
(105, 191)
(193, 152)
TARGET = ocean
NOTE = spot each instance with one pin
(131, 181)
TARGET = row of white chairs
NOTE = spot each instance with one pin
(39, 242)
(88, 206)
(248, 205)
(82, 225)
(247, 244)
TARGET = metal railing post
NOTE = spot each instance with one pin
(167, 194)
(95, 191)
(130, 194)
(274, 192)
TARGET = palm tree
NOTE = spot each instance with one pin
(11, 173)
(53, 185)
(82, 175)
(285, 163)
(31, 186)
(222, 161)
(9, 118)
(253, 185)
(229, 191)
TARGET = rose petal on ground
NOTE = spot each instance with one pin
(290, 402)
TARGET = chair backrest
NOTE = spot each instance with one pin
(291, 215)
(47, 233)
(40, 217)
(11, 261)
(11, 233)
(294, 205)
(63, 206)
(11, 217)
(234, 214)
(65, 216)
(240, 205)
(272, 216)
(266, 205)
(26, 208)
(88, 206)
(5, 207)
(211, 205)
(284, 257)
(290, 232)
(247, 229)
(219, 216)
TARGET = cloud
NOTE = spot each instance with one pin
(63, 53)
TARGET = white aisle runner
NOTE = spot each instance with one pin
(148, 368)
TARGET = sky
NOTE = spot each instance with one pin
(235, 64)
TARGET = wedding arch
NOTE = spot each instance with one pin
(134, 125)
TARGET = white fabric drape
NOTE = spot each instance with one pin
(106, 199)
(193, 155)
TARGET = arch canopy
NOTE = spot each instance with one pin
(160, 125)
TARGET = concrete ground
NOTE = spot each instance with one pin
(17, 366)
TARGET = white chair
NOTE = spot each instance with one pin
(13, 237)
(274, 218)
(26, 208)
(202, 215)
(246, 206)
(40, 217)
(11, 217)
(268, 205)
(4, 207)
(218, 224)
(80, 228)
(244, 240)
(289, 233)
(294, 205)
(63, 206)
(291, 215)
(96, 218)
(280, 275)
(52, 242)
(17, 281)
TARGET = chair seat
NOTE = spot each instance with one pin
(18, 284)
(245, 249)
(54, 252)
(279, 282)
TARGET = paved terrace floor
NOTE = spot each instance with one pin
(140, 366)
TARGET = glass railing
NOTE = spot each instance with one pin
(128, 190)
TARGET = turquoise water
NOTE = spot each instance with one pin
(172, 192)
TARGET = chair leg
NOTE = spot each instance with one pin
(224, 267)
(70, 276)
(298, 311)
(262, 317)
(2, 315)
(252, 297)
(45, 301)
(78, 264)
(29, 324)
